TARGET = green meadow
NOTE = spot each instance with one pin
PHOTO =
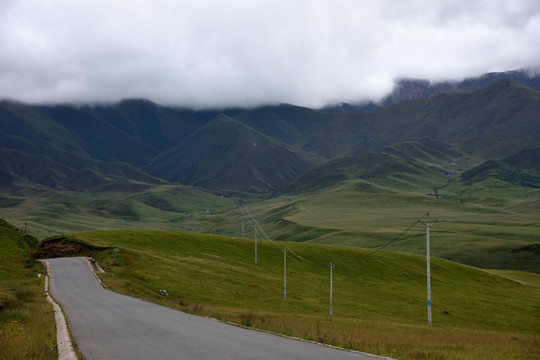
(379, 298)
(45, 212)
(486, 300)
(368, 215)
(497, 230)
(27, 325)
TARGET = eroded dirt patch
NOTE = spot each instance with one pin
(62, 246)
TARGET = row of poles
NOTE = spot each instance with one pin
(245, 211)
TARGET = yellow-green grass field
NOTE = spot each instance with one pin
(379, 299)
(365, 215)
(499, 230)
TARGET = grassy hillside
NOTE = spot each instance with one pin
(226, 155)
(493, 122)
(287, 123)
(379, 298)
(65, 171)
(27, 326)
(426, 150)
(489, 223)
(388, 170)
(136, 206)
(496, 229)
(528, 159)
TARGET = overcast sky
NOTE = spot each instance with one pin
(244, 53)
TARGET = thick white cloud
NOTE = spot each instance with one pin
(244, 53)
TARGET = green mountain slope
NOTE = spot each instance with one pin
(490, 123)
(131, 131)
(493, 122)
(528, 159)
(511, 184)
(426, 150)
(119, 205)
(68, 172)
(503, 172)
(289, 124)
(227, 155)
(380, 168)
(492, 209)
(49, 144)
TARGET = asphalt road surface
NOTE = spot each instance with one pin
(107, 325)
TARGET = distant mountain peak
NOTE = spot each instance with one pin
(411, 89)
(221, 118)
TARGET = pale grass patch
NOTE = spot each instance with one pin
(385, 338)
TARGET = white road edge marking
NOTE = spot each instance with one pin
(65, 348)
(94, 267)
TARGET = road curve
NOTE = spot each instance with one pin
(107, 325)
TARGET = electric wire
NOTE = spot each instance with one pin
(301, 259)
(394, 239)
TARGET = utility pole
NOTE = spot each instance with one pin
(332, 266)
(285, 273)
(242, 209)
(255, 231)
(428, 224)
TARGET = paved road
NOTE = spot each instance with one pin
(106, 325)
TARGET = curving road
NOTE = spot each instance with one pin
(107, 325)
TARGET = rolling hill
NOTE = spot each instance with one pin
(383, 169)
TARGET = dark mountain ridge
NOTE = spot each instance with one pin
(256, 151)
(491, 122)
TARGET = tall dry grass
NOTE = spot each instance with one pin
(384, 338)
(27, 327)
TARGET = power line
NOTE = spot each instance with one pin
(394, 239)
(302, 259)
(257, 228)
(256, 224)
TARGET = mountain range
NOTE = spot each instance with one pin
(349, 175)
(258, 151)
